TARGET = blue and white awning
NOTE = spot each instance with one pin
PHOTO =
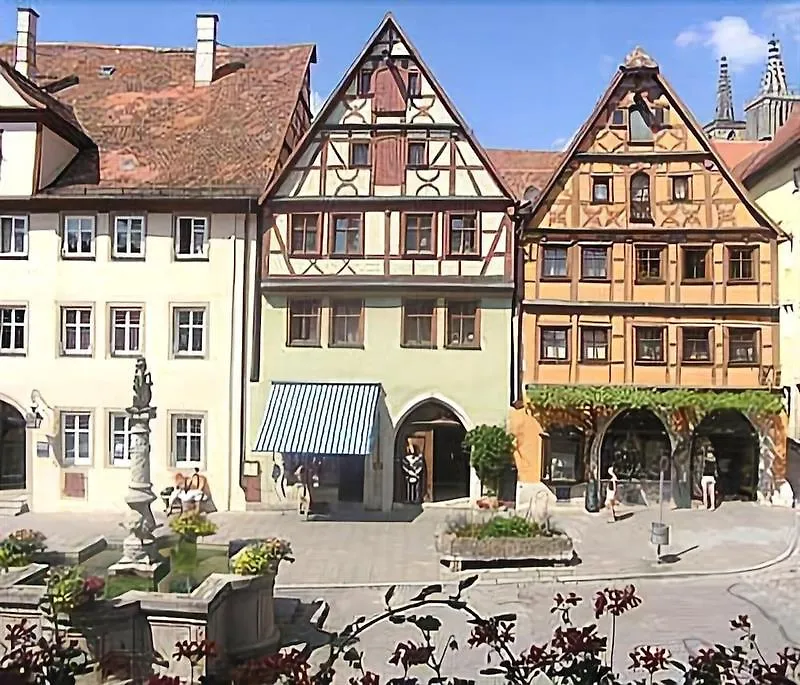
(324, 419)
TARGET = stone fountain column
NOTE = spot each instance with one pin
(139, 552)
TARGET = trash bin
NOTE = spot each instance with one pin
(591, 499)
(659, 533)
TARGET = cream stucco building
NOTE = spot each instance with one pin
(128, 196)
(387, 281)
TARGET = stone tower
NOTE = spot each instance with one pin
(770, 109)
(725, 125)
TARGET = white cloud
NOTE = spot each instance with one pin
(786, 18)
(316, 102)
(731, 36)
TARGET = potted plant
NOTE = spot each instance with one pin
(262, 558)
(491, 453)
(189, 526)
(68, 590)
(18, 548)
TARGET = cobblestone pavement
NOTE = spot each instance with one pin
(377, 550)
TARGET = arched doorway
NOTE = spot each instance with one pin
(12, 448)
(637, 445)
(735, 445)
(438, 469)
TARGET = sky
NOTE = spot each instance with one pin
(525, 75)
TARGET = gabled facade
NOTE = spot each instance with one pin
(129, 185)
(386, 258)
(646, 266)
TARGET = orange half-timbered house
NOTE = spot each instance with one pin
(386, 280)
(646, 266)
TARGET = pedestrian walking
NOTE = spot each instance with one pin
(611, 494)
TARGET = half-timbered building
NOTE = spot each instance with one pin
(383, 327)
(649, 310)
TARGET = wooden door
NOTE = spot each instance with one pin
(423, 440)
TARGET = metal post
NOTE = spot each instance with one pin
(660, 505)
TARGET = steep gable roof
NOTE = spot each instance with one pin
(523, 169)
(154, 131)
(639, 61)
(786, 139)
(339, 91)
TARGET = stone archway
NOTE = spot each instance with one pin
(735, 444)
(13, 448)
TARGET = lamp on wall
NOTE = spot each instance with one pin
(34, 417)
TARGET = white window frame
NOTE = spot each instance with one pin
(195, 227)
(65, 351)
(113, 432)
(13, 325)
(81, 228)
(191, 326)
(17, 224)
(142, 229)
(127, 326)
(70, 423)
(188, 434)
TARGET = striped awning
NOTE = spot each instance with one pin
(323, 419)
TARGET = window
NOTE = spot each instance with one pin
(304, 322)
(13, 236)
(76, 437)
(359, 154)
(12, 330)
(554, 344)
(189, 331)
(640, 197)
(649, 344)
(594, 262)
(414, 84)
(419, 323)
(554, 261)
(120, 439)
(417, 154)
(681, 188)
(76, 330)
(463, 324)
(78, 238)
(191, 237)
(364, 82)
(601, 190)
(740, 263)
(618, 117)
(128, 236)
(126, 330)
(347, 328)
(305, 238)
(638, 130)
(418, 238)
(695, 344)
(346, 235)
(743, 346)
(463, 234)
(594, 344)
(564, 452)
(648, 264)
(188, 439)
(695, 263)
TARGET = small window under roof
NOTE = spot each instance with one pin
(107, 70)
(532, 194)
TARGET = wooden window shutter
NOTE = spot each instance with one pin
(74, 484)
(388, 85)
(389, 168)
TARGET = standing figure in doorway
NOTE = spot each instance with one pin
(413, 470)
(708, 482)
(611, 494)
(303, 492)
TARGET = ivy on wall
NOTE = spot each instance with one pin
(611, 398)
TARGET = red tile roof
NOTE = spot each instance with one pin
(733, 152)
(522, 169)
(786, 137)
(155, 130)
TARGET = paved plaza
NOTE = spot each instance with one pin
(377, 551)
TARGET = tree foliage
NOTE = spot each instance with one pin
(491, 453)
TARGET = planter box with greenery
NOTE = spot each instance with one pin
(503, 538)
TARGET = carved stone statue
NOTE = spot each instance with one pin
(142, 385)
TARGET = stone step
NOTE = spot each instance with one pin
(14, 506)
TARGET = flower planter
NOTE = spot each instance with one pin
(544, 548)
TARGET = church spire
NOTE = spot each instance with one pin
(774, 80)
(724, 110)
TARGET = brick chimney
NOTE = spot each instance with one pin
(206, 51)
(25, 58)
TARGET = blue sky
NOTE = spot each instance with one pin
(524, 74)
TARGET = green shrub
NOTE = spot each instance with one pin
(192, 525)
(20, 546)
(262, 558)
(491, 451)
(502, 527)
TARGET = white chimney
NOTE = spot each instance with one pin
(206, 51)
(25, 59)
